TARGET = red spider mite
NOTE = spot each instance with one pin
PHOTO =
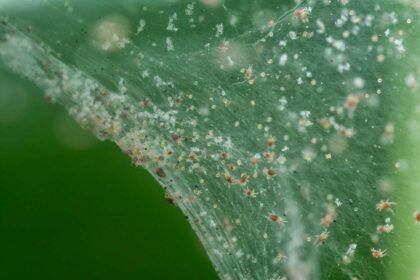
(271, 142)
(385, 205)
(299, 12)
(352, 101)
(225, 155)
(276, 218)
(170, 200)
(417, 216)
(176, 138)
(302, 14)
(229, 178)
(159, 171)
(271, 173)
(250, 193)
(322, 237)
(378, 253)
(243, 179)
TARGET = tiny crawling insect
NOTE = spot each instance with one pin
(170, 199)
(176, 138)
(243, 179)
(322, 237)
(248, 72)
(378, 253)
(276, 218)
(270, 173)
(159, 171)
(225, 155)
(325, 123)
(417, 216)
(329, 217)
(302, 14)
(385, 205)
(351, 102)
(250, 193)
(271, 141)
(229, 178)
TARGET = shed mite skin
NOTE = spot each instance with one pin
(384, 228)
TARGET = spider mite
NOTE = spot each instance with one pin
(159, 171)
(243, 179)
(269, 156)
(249, 73)
(276, 218)
(385, 205)
(250, 193)
(322, 237)
(176, 138)
(254, 161)
(224, 46)
(417, 216)
(271, 141)
(346, 132)
(170, 199)
(144, 102)
(225, 155)
(351, 102)
(325, 123)
(378, 253)
(270, 173)
(329, 217)
(302, 13)
(229, 178)
(389, 131)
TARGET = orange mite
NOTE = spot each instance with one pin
(270, 173)
(417, 216)
(302, 14)
(276, 218)
(250, 193)
(229, 178)
(351, 102)
(299, 12)
(243, 179)
(323, 236)
(271, 142)
(159, 171)
(378, 253)
(385, 205)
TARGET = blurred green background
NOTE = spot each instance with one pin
(72, 207)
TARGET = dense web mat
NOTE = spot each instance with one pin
(286, 132)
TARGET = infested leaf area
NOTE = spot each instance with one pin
(279, 129)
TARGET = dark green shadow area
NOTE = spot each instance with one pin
(72, 207)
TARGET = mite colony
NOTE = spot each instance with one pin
(267, 140)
